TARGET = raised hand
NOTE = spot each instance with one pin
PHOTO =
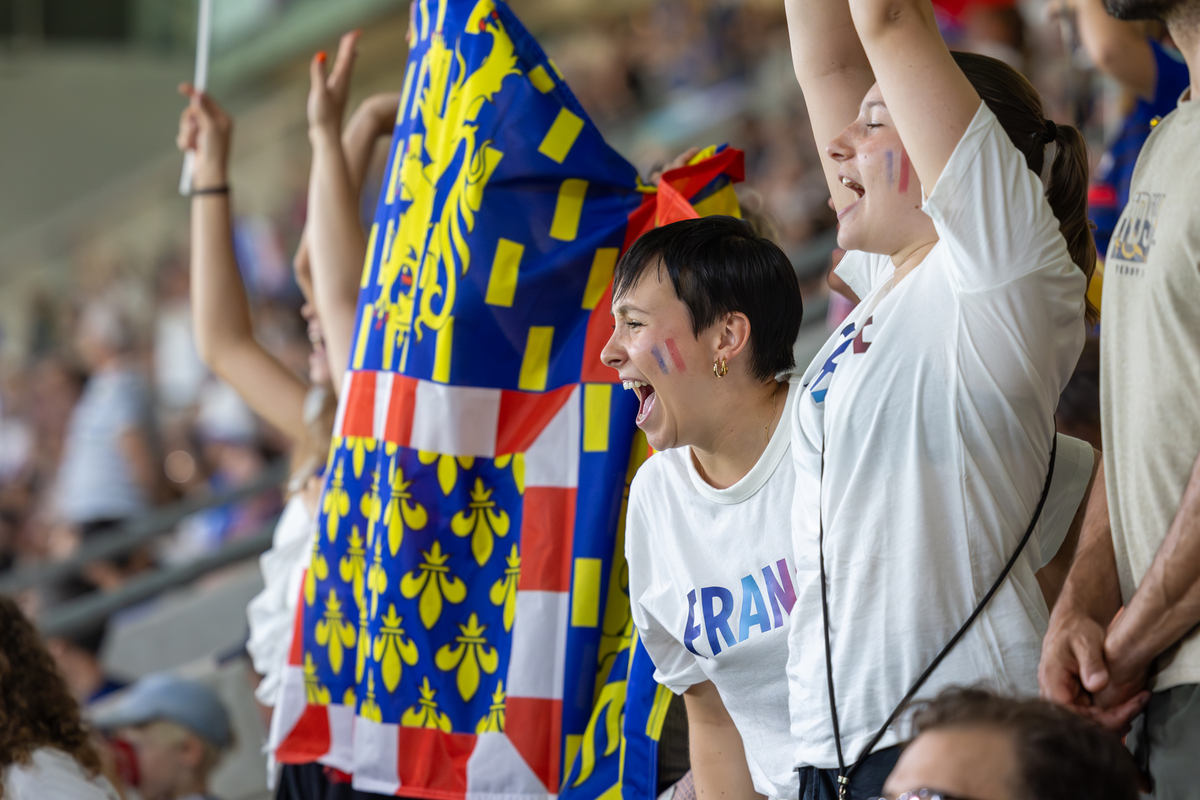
(205, 129)
(327, 93)
(374, 117)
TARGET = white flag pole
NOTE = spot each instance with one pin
(200, 81)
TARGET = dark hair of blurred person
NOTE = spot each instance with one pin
(971, 743)
(1078, 411)
(77, 656)
(45, 751)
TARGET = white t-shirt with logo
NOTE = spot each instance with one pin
(711, 584)
(934, 405)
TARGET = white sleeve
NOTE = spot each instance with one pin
(674, 666)
(861, 270)
(991, 210)
(271, 614)
(1072, 474)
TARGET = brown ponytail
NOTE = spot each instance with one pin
(1018, 107)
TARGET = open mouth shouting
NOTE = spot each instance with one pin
(646, 397)
(853, 186)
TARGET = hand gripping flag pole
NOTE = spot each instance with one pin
(200, 81)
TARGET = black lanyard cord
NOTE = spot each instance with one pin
(845, 774)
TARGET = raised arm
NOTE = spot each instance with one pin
(220, 312)
(719, 766)
(833, 72)
(336, 242)
(374, 118)
(929, 99)
(1118, 49)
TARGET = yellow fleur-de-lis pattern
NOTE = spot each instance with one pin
(481, 520)
(371, 507)
(425, 713)
(353, 566)
(318, 570)
(370, 707)
(493, 721)
(402, 509)
(447, 467)
(504, 591)
(359, 446)
(434, 582)
(363, 647)
(334, 633)
(391, 647)
(377, 579)
(337, 501)
(470, 656)
(315, 693)
(517, 462)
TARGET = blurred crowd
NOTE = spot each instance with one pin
(112, 413)
(675, 74)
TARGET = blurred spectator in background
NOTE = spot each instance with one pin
(178, 730)
(77, 656)
(970, 743)
(45, 752)
(1151, 74)
(1078, 411)
(110, 467)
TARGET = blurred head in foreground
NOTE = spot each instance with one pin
(972, 744)
(178, 730)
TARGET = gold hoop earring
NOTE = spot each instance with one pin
(719, 368)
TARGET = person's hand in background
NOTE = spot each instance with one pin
(206, 130)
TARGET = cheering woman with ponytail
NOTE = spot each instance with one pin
(923, 439)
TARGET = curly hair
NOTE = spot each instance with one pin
(36, 709)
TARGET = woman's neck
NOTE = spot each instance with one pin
(736, 446)
(909, 258)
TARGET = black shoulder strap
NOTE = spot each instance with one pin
(845, 774)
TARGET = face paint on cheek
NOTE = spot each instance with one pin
(676, 356)
(657, 352)
(890, 170)
(904, 169)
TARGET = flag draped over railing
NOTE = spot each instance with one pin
(462, 609)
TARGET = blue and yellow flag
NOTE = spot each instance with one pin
(451, 636)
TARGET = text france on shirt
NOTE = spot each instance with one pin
(761, 605)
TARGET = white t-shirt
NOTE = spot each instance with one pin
(710, 585)
(699, 557)
(937, 400)
(54, 775)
